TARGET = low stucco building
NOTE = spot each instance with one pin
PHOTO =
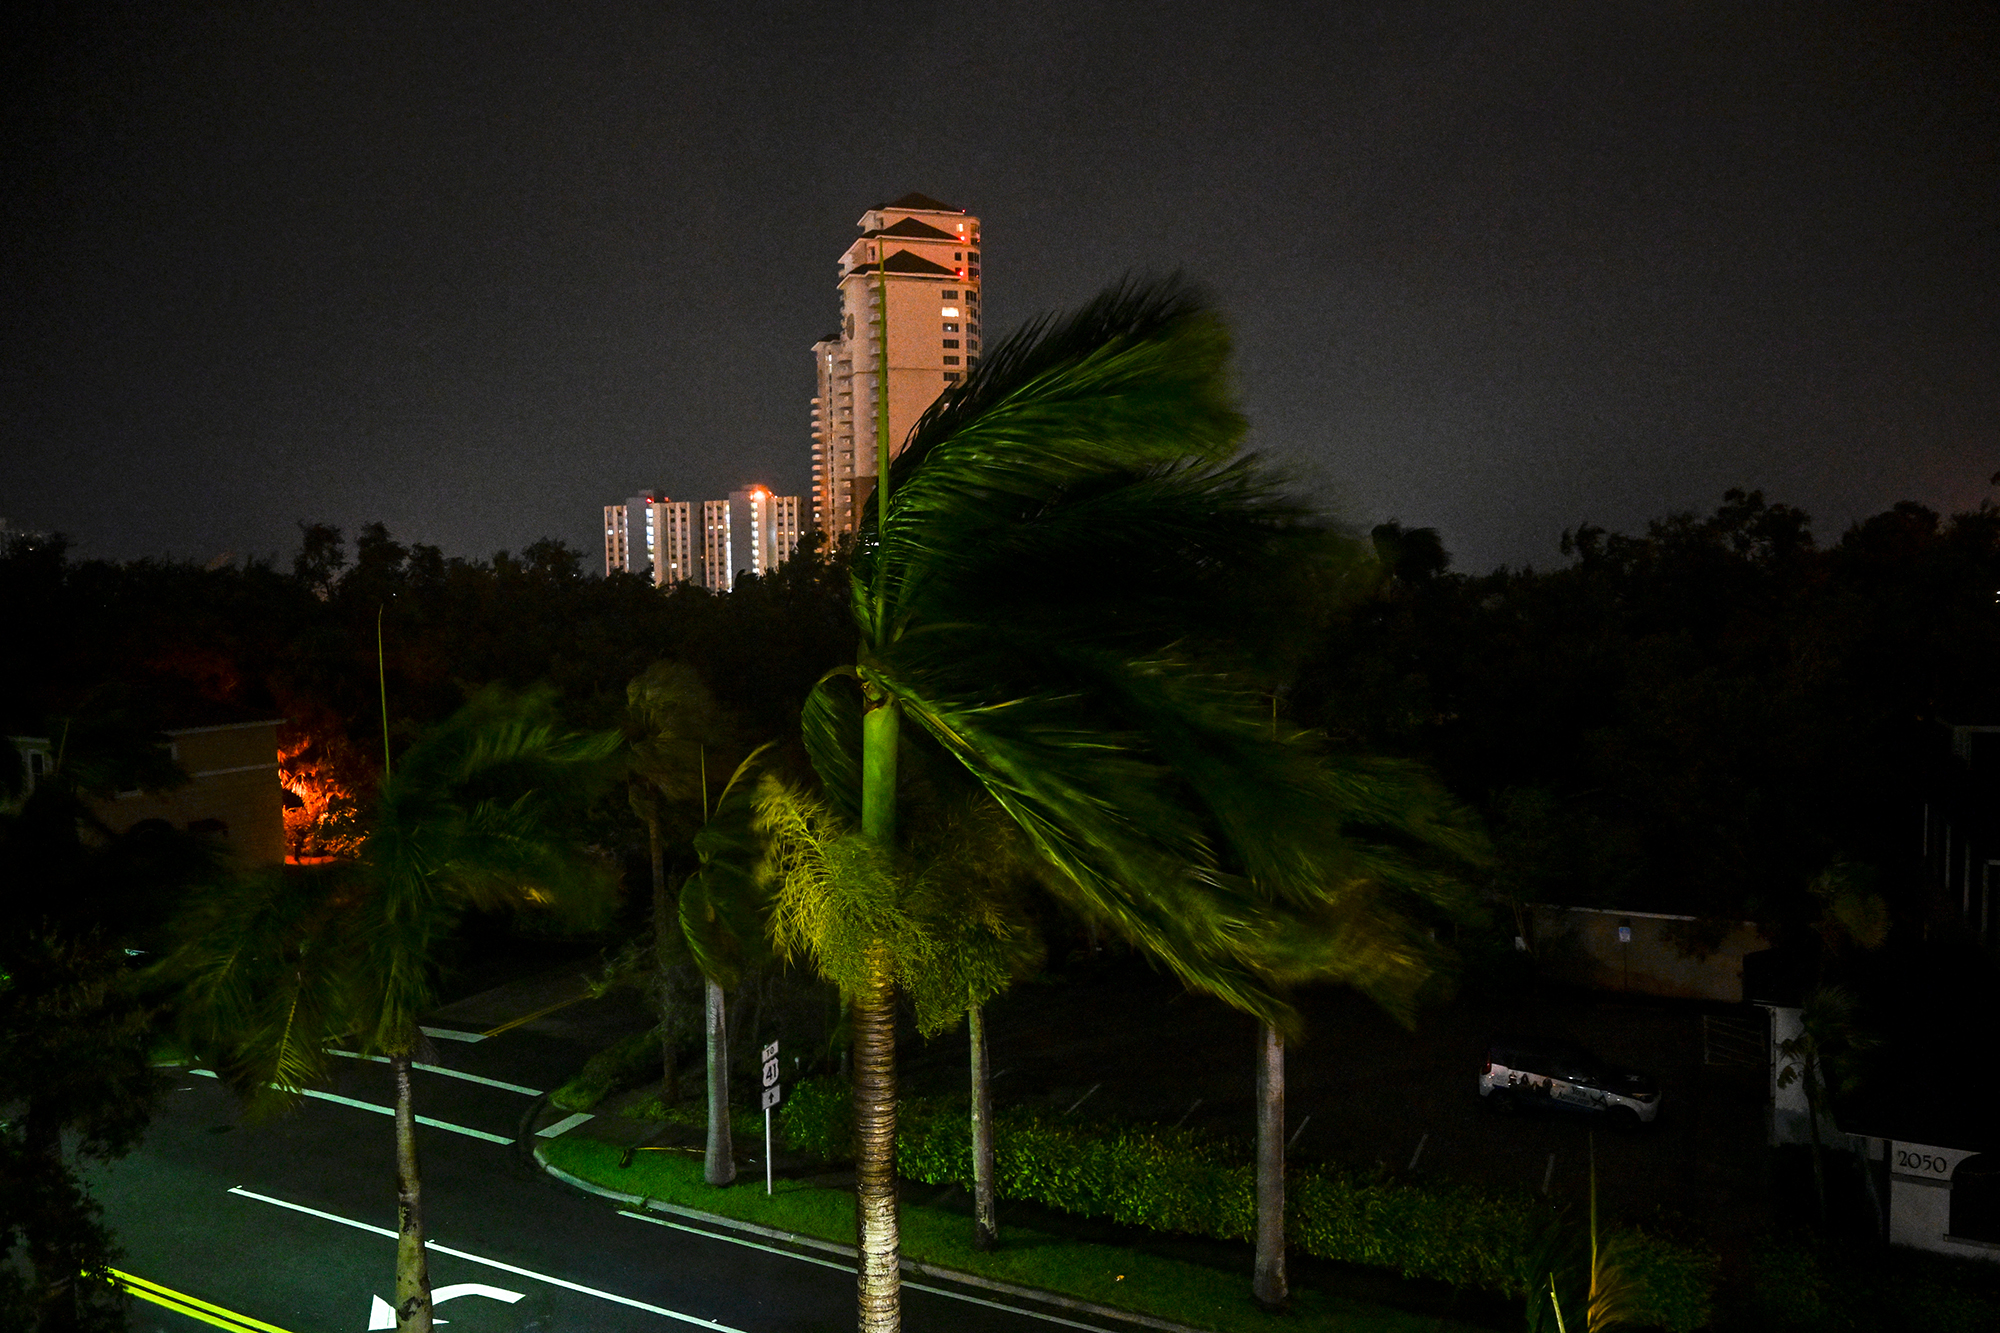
(232, 792)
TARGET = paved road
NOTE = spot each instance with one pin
(287, 1225)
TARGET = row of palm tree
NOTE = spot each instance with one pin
(1067, 595)
(1060, 578)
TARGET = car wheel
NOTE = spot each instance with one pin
(1625, 1120)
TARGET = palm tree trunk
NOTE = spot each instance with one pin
(1269, 1285)
(670, 1074)
(878, 1281)
(413, 1275)
(719, 1166)
(985, 1223)
(1811, 1081)
(878, 1284)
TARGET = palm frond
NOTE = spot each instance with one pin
(830, 724)
(837, 900)
(266, 968)
(723, 904)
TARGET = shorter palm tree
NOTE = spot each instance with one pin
(1581, 1282)
(1823, 1059)
(722, 909)
(672, 726)
(274, 968)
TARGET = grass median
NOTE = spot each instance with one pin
(1127, 1279)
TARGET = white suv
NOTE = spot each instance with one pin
(1563, 1077)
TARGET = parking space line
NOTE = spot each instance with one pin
(452, 1034)
(384, 1110)
(448, 1073)
(530, 1273)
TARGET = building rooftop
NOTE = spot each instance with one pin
(923, 203)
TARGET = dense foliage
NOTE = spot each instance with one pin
(1699, 719)
(1184, 1181)
(175, 639)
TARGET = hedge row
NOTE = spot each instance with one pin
(1184, 1181)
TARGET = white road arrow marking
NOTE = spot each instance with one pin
(383, 1315)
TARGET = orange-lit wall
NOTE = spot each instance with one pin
(234, 771)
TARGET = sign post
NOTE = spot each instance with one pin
(770, 1100)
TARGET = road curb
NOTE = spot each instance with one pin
(1037, 1294)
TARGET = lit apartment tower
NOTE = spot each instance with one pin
(617, 540)
(716, 556)
(651, 531)
(764, 530)
(679, 561)
(928, 255)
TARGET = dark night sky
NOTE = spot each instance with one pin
(477, 269)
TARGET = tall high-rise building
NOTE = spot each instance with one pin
(717, 558)
(652, 533)
(764, 530)
(921, 257)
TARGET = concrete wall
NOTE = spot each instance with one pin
(1583, 947)
(1920, 1185)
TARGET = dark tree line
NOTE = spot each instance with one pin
(301, 643)
(1698, 719)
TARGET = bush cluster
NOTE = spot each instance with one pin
(1185, 1181)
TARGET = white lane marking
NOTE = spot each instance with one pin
(385, 1110)
(448, 1073)
(449, 1034)
(382, 1315)
(849, 1268)
(563, 1126)
(564, 1283)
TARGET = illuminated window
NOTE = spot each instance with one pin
(949, 312)
(951, 328)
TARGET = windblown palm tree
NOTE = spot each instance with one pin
(1056, 577)
(678, 734)
(275, 968)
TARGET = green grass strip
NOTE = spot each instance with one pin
(1110, 1275)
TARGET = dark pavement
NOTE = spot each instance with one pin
(289, 1223)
